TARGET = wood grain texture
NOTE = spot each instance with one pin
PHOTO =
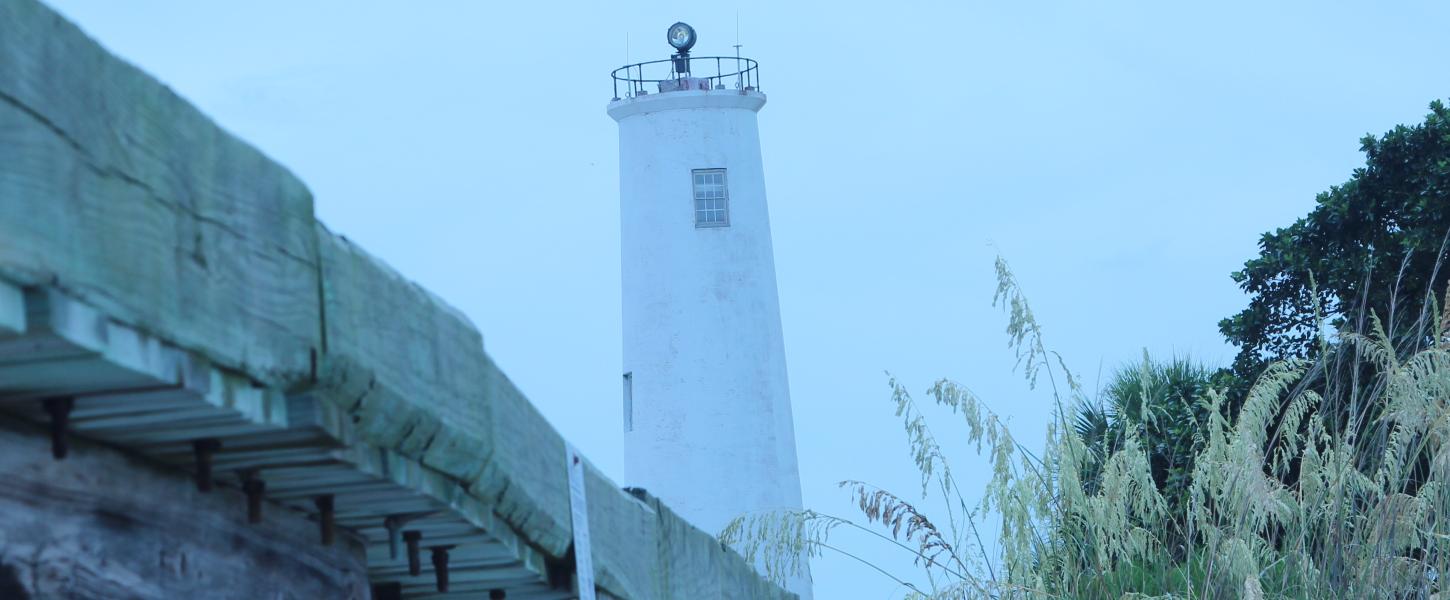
(118, 191)
(693, 564)
(623, 533)
(413, 372)
(527, 472)
(101, 525)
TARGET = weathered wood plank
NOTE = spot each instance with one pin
(297, 492)
(34, 347)
(71, 375)
(103, 525)
(141, 438)
(166, 418)
(229, 460)
(256, 438)
(134, 402)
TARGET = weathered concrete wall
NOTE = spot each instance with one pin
(102, 525)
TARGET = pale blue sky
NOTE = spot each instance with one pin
(1124, 157)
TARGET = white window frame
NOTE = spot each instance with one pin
(704, 202)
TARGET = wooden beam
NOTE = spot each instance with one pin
(59, 410)
(254, 488)
(440, 566)
(415, 563)
(388, 590)
(204, 449)
(325, 518)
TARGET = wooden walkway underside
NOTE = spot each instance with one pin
(144, 396)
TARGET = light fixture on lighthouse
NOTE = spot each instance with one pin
(682, 37)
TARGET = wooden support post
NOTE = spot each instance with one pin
(254, 488)
(325, 516)
(415, 563)
(390, 590)
(59, 409)
(393, 524)
(440, 566)
(204, 450)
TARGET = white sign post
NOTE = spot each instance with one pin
(579, 517)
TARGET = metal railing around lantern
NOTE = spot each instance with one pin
(729, 72)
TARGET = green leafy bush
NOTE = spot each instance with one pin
(1373, 245)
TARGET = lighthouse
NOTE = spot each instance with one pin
(707, 412)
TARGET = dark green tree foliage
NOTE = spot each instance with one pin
(1371, 246)
(1162, 402)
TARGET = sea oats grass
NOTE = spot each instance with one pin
(1327, 479)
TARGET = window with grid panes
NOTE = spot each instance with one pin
(712, 200)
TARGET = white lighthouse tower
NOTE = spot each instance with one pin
(707, 412)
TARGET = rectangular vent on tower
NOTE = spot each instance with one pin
(712, 200)
(629, 401)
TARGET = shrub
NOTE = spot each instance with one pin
(1281, 502)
